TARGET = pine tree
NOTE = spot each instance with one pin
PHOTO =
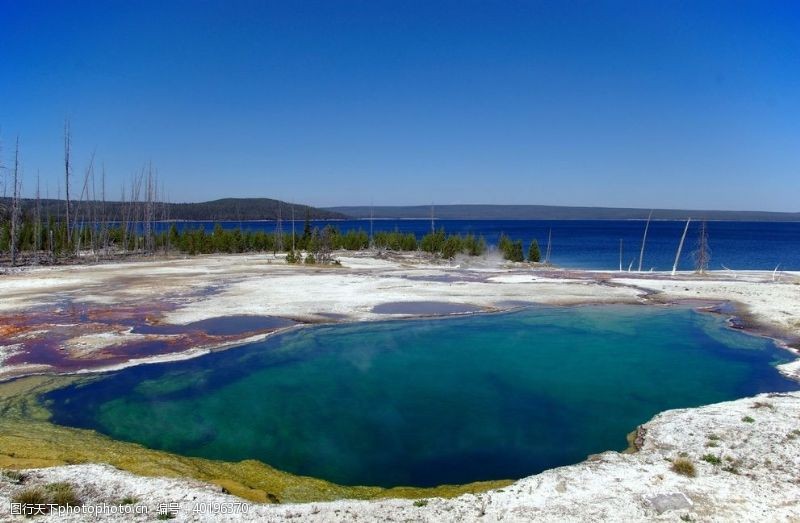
(306, 237)
(534, 255)
(515, 254)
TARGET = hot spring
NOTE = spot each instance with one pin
(434, 401)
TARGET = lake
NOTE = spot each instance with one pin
(434, 401)
(595, 244)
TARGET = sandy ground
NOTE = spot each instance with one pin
(762, 480)
(744, 471)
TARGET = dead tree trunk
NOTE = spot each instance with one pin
(702, 255)
(37, 231)
(15, 207)
(644, 240)
(67, 172)
(278, 243)
(680, 247)
(549, 245)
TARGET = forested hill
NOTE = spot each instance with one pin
(552, 212)
(227, 209)
(247, 209)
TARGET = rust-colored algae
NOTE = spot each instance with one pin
(74, 337)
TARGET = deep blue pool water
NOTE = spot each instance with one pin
(427, 402)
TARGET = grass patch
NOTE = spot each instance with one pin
(420, 502)
(28, 440)
(685, 467)
(128, 500)
(30, 498)
(13, 476)
(62, 494)
(710, 458)
(40, 499)
(748, 419)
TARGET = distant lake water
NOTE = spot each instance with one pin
(594, 244)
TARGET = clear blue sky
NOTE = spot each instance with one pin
(642, 103)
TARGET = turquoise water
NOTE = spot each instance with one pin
(427, 402)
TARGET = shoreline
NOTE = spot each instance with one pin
(732, 320)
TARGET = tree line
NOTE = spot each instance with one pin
(85, 224)
(48, 241)
(88, 224)
(318, 242)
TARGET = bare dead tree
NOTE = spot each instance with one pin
(371, 219)
(124, 218)
(50, 244)
(165, 219)
(702, 255)
(94, 232)
(3, 182)
(37, 244)
(325, 245)
(278, 244)
(147, 214)
(3, 173)
(644, 240)
(293, 242)
(84, 205)
(680, 247)
(103, 212)
(549, 244)
(67, 173)
(15, 206)
(137, 210)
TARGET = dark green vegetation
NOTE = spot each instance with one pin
(319, 243)
(553, 212)
(534, 255)
(513, 251)
(426, 402)
(49, 241)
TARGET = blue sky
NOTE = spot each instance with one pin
(642, 103)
